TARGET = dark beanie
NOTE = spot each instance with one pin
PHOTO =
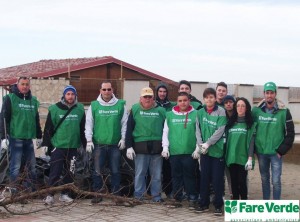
(228, 97)
(69, 88)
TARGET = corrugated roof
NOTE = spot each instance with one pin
(53, 67)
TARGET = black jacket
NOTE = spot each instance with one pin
(6, 112)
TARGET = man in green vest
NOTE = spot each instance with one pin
(143, 143)
(64, 131)
(20, 123)
(185, 86)
(275, 135)
(105, 133)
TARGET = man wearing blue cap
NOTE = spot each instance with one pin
(64, 131)
(275, 135)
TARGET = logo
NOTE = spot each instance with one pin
(231, 206)
(261, 210)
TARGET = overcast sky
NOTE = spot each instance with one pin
(235, 41)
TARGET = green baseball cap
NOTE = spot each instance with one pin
(270, 86)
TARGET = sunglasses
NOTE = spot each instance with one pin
(147, 97)
(109, 89)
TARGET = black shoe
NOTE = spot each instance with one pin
(218, 212)
(193, 205)
(96, 200)
(201, 209)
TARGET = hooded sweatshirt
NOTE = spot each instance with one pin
(165, 103)
(106, 121)
(21, 115)
(179, 133)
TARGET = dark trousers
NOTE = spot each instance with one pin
(238, 176)
(167, 177)
(62, 163)
(183, 176)
(212, 170)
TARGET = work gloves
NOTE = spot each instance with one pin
(196, 153)
(4, 144)
(248, 165)
(121, 144)
(204, 148)
(38, 143)
(130, 153)
(165, 153)
(89, 147)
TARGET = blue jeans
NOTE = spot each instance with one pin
(101, 154)
(143, 162)
(212, 171)
(265, 162)
(62, 167)
(183, 169)
(21, 153)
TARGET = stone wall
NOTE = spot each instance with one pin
(48, 91)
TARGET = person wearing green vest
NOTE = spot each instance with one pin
(179, 142)
(275, 134)
(63, 140)
(221, 91)
(185, 86)
(240, 131)
(163, 101)
(20, 123)
(143, 142)
(212, 122)
(105, 130)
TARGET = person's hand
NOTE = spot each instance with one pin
(130, 153)
(89, 147)
(248, 165)
(204, 148)
(45, 148)
(121, 144)
(196, 153)
(165, 153)
(5, 144)
(38, 143)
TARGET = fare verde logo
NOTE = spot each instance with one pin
(262, 210)
(270, 207)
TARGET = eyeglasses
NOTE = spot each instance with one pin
(147, 97)
(108, 89)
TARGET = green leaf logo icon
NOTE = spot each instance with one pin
(231, 206)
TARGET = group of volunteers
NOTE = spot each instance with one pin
(184, 148)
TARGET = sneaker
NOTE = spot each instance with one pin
(96, 200)
(158, 201)
(218, 212)
(49, 200)
(201, 209)
(192, 205)
(65, 198)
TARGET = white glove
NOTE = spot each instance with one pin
(45, 148)
(196, 153)
(4, 144)
(165, 153)
(130, 153)
(204, 148)
(89, 147)
(121, 144)
(248, 165)
(38, 143)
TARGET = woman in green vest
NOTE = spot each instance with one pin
(240, 146)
